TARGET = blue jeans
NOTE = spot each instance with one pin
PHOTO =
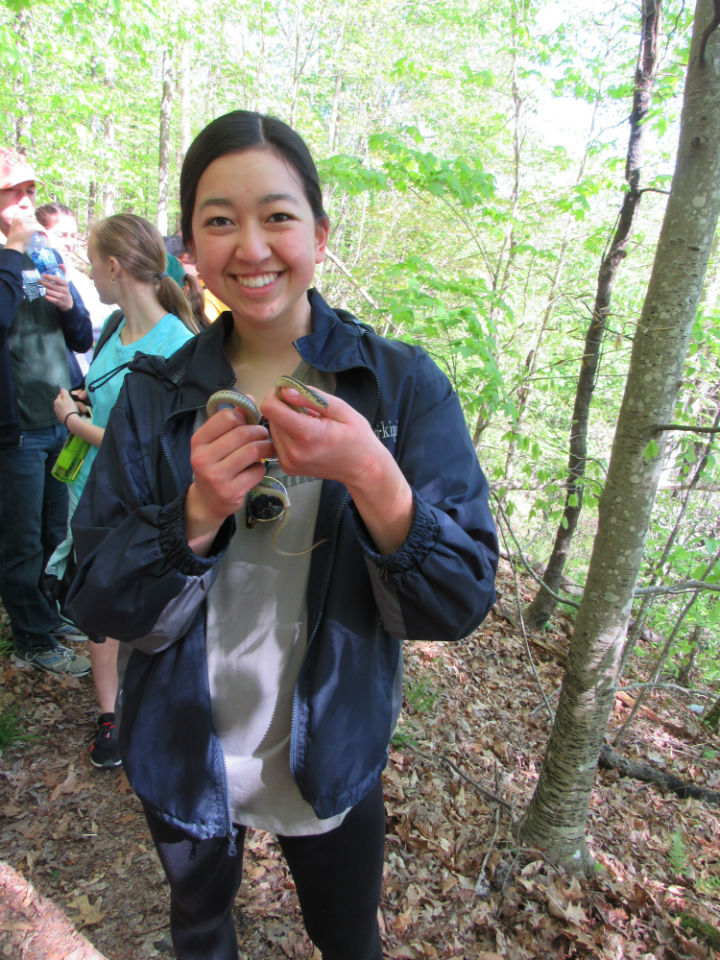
(33, 521)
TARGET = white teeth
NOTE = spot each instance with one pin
(260, 281)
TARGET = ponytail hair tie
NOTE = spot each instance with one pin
(162, 275)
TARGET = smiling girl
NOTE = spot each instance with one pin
(264, 677)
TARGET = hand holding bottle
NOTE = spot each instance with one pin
(21, 231)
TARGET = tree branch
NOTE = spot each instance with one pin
(671, 686)
(341, 266)
(524, 632)
(684, 586)
(640, 771)
(682, 426)
(713, 25)
(536, 578)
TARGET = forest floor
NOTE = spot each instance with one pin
(79, 879)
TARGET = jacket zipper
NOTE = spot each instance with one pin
(230, 830)
(326, 587)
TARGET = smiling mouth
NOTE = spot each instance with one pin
(260, 280)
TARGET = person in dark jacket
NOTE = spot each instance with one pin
(40, 318)
(264, 574)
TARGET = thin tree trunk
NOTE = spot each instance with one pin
(648, 599)
(687, 666)
(23, 116)
(556, 817)
(533, 358)
(712, 716)
(543, 604)
(501, 274)
(664, 653)
(164, 154)
(110, 185)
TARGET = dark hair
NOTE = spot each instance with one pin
(47, 211)
(246, 130)
(138, 247)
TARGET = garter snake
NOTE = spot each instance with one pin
(233, 398)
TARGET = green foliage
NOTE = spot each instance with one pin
(420, 695)
(701, 929)
(403, 739)
(12, 729)
(473, 163)
(677, 855)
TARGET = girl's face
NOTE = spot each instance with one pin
(256, 241)
(101, 274)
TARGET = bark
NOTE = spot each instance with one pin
(556, 817)
(542, 606)
(164, 156)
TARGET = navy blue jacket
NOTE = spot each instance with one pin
(139, 581)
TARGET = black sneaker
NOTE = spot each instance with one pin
(104, 752)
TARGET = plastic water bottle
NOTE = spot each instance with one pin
(71, 458)
(43, 256)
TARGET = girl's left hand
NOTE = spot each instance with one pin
(332, 443)
(338, 443)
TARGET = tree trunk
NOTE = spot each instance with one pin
(164, 155)
(687, 664)
(22, 108)
(712, 716)
(110, 185)
(555, 819)
(542, 606)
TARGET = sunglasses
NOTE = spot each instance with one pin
(267, 501)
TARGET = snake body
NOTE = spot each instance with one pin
(233, 398)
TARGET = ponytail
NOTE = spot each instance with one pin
(173, 300)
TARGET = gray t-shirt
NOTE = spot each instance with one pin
(256, 639)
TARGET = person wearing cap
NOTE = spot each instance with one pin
(37, 323)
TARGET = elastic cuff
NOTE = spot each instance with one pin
(419, 542)
(171, 526)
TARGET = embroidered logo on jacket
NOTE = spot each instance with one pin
(387, 431)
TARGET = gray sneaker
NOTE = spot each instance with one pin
(66, 631)
(55, 660)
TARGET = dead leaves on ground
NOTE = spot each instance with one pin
(462, 768)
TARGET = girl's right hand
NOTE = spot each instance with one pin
(225, 455)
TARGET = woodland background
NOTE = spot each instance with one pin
(474, 157)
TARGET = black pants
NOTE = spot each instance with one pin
(338, 876)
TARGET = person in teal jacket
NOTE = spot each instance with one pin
(263, 575)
